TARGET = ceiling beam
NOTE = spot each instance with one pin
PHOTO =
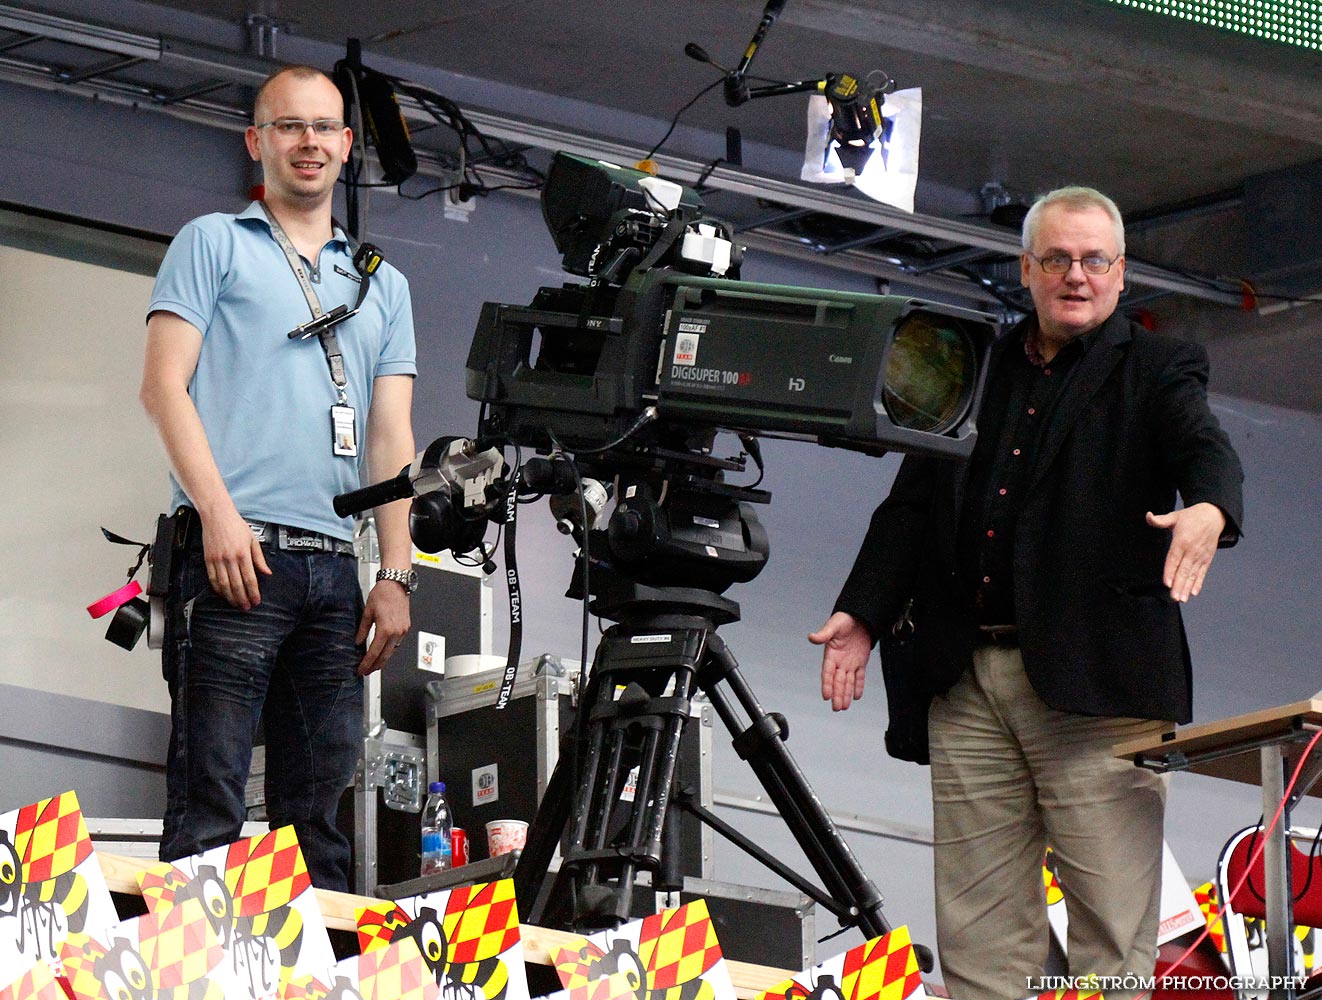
(238, 67)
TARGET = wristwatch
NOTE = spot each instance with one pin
(407, 578)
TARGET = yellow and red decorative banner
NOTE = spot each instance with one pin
(51, 884)
(1208, 905)
(883, 968)
(468, 937)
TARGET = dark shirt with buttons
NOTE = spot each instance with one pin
(1021, 399)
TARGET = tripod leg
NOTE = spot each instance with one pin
(669, 878)
(762, 743)
(537, 891)
(532, 871)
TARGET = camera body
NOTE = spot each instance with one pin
(635, 371)
(870, 373)
(658, 327)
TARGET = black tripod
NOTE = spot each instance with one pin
(637, 700)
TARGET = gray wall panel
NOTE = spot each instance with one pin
(113, 757)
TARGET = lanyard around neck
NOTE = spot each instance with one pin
(325, 331)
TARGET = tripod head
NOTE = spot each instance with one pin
(676, 522)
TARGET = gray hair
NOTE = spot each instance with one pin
(1076, 198)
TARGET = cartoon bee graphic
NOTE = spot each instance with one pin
(617, 965)
(622, 968)
(613, 974)
(264, 941)
(40, 889)
(147, 959)
(461, 945)
(269, 942)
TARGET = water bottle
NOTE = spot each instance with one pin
(436, 827)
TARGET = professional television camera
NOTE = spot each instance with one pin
(622, 383)
(664, 323)
(636, 370)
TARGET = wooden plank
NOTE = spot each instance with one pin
(1238, 738)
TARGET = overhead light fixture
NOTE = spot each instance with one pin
(857, 133)
(854, 138)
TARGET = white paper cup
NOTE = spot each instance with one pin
(472, 663)
(505, 835)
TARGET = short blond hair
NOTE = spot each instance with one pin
(1076, 198)
(300, 71)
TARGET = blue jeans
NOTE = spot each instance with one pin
(291, 661)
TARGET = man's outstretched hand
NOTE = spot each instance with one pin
(1194, 533)
(846, 645)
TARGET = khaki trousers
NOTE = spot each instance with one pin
(1010, 776)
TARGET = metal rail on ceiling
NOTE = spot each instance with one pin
(206, 70)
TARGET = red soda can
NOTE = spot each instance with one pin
(458, 847)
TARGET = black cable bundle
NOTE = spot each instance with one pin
(373, 93)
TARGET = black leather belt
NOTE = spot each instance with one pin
(298, 539)
(1006, 636)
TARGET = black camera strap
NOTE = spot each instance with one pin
(516, 599)
(673, 232)
(143, 549)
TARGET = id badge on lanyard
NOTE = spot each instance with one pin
(344, 434)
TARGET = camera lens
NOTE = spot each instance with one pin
(930, 373)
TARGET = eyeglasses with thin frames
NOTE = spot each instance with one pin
(1060, 263)
(291, 127)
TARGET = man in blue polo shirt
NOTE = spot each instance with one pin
(266, 619)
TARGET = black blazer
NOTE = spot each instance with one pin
(1099, 632)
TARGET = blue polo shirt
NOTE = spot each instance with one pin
(265, 400)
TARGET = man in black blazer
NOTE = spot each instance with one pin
(1046, 576)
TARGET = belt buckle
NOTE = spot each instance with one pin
(302, 542)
